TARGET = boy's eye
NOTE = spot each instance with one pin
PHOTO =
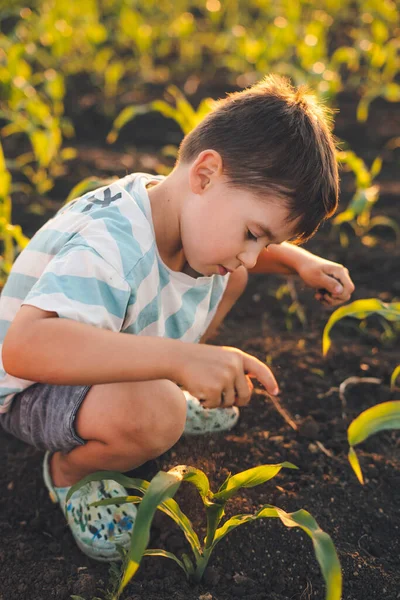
(251, 236)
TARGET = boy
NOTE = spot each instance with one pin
(163, 259)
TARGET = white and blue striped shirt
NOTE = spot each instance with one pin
(96, 261)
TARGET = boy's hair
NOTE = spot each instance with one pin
(274, 138)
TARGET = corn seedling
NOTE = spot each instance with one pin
(180, 110)
(358, 212)
(9, 234)
(295, 308)
(159, 495)
(395, 375)
(361, 309)
(377, 418)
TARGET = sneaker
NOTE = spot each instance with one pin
(97, 530)
(201, 420)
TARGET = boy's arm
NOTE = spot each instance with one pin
(332, 280)
(280, 258)
(39, 346)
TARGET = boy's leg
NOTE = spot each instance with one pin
(235, 288)
(124, 425)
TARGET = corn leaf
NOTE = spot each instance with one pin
(323, 546)
(382, 221)
(169, 507)
(355, 465)
(126, 115)
(377, 418)
(129, 482)
(86, 185)
(394, 377)
(162, 487)
(360, 309)
(249, 478)
(195, 476)
(117, 500)
(165, 554)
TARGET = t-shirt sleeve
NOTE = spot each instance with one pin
(79, 284)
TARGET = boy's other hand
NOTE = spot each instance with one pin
(220, 376)
(332, 280)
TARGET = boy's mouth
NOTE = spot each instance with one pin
(223, 271)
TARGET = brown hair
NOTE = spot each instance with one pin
(274, 138)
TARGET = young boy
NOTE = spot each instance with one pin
(163, 259)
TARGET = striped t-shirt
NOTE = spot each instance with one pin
(96, 261)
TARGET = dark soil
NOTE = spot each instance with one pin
(262, 560)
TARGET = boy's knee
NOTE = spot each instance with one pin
(159, 422)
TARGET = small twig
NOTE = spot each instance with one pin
(278, 407)
(324, 450)
(331, 391)
(352, 381)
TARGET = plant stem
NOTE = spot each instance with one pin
(201, 565)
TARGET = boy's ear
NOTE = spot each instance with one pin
(206, 169)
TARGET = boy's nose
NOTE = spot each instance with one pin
(248, 259)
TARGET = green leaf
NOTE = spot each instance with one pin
(363, 110)
(169, 507)
(86, 185)
(231, 524)
(394, 377)
(377, 418)
(323, 546)
(126, 115)
(376, 167)
(195, 476)
(344, 217)
(382, 221)
(162, 487)
(129, 482)
(249, 478)
(355, 465)
(117, 500)
(165, 554)
(360, 309)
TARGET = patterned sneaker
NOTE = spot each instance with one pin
(96, 530)
(201, 420)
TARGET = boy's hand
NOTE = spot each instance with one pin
(332, 280)
(220, 376)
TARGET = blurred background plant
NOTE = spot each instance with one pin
(358, 212)
(120, 57)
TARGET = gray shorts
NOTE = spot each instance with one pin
(43, 416)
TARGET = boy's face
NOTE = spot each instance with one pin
(223, 227)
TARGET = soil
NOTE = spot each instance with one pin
(262, 560)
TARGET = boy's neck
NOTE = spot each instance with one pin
(165, 202)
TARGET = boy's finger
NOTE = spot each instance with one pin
(254, 367)
(244, 388)
(332, 285)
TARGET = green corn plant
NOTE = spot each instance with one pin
(294, 309)
(358, 212)
(382, 416)
(377, 418)
(32, 103)
(180, 110)
(87, 185)
(394, 377)
(360, 309)
(9, 234)
(159, 495)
